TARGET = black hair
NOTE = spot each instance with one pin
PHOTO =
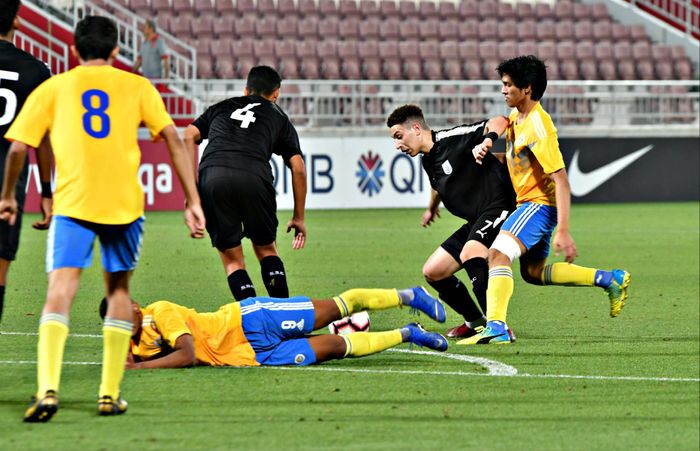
(263, 80)
(103, 308)
(526, 71)
(8, 12)
(95, 37)
(152, 24)
(406, 113)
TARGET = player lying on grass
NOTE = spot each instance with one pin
(272, 331)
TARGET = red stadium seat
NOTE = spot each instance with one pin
(469, 30)
(182, 7)
(307, 27)
(488, 29)
(389, 53)
(505, 11)
(527, 47)
(563, 10)
(158, 6)
(141, 7)
(289, 68)
(487, 9)
(369, 28)
(602, 31)
(205, 68)
(311, 68)
(507, 50)
(307, 9)
(388, 9)
(447, 10)
(266, 27)
(348, 8)
(204, 7)
(449, 54)
(546, 30)
(638, 33)
(546, 51)
(584, 50)
(599, 12)
(180, 26)
(428, 28)
(223, 7)
(265, 8)
(265, 51)
(428, 9)
(328, 28)
(285, 9)
(508, 30)
(588, 69)
(620, 32)
(328, 8)
(583, 31)
(203, 26)
(348, 29)
(564, 30)
(245, 8)
(409, 29)
(244, 26)
(351, 68)
(369, 9)
(408, 9)
(527, 30)
(449, 30)
(468, 10)
(524, 11)
(543, 11)
(389, 31)
(607, 70)
(287, 27)
(569, 69)
(225, 68)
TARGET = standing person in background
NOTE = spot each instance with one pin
(537, 170)
(235, 180)
(153, 59)
(93, 126)
(478, 192)
(20, 73)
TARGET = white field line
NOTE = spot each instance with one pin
(495, 369)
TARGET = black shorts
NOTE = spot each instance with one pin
(237, 204)
(484, 230)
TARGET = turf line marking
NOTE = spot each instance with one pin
(35, 334)
(494, 367)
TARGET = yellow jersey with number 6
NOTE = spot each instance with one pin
(532, 152)
(92, 114)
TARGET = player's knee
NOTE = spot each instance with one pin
(431, 273)
(504, 250)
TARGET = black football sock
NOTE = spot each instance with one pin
(478, 270)
(240, 285)
(456, 295)
(273, 276)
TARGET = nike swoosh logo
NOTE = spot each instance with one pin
(583, 183)
(486, 340)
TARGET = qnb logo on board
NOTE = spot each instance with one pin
(370, 173)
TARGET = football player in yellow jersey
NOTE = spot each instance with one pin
(543, 196)
(273, 331)
(92, 115)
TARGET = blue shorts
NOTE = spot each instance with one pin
(70, 244)
(533, 225)
(277, 328)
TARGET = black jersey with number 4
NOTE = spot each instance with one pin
(244, 132)
(467, 189)
(20, 74)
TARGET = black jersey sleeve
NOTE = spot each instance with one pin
(202, 123)
(287, 144)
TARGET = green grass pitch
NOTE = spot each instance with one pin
(583, 380)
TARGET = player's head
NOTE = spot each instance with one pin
(149, 28)
(526, 73)
(408, 128)
(263, 81)
(136, 311)
(95, 38)
(8, 15)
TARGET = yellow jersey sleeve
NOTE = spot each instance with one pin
(153, 112)
(548, 154)
(32, 122)
(170, 321)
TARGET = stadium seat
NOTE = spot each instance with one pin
(224, 27)
(287, 27)
(546, 50)
(602, 31)
(388, 9)
(582, 12)
(488, 51)
(449, 54)
(546, 30)
(607, 70)
(408, 9)
(369, 9)
(307, 27)
(527, 30)
(369, 28)
(348, 29)
(180, 26)
(638, 33)
(328, 28)
(429, 53)
(225, 68)
(389, 31)
(447, 10)
(307, 9)
(564, 30)
(305, 49)
(285, 9)
(469, 30)
(528, 47)
(158, 6)
(328, 8)
(568, 69)
(246, 8)
(266, 27)
(619, 32)
(372, 68)
(449, 29)
(505, 11)
(584, 50)
(428, 10)
(244, 26)
(428, 29)
(488, 29)
(163, 20)
(205, 7)
(391, 63)
(266, 9)
(468, 10)
(661, 55)
(645, 70)
(265, 52)
(141, 7)
(205, 68)
(563, 10)
(507, 30)
(543, 11)
(348, 8)
(203, 26)
(180, 7)
(507, 49)
(583, 31)
(524, 11)
(487, 9)
(588, 69)
(409, 29)
(599, 12)
(553, 70)
(328, 56)
(224, 8)
(351, 68)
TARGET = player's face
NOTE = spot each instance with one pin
(406, 139)
(514, 96)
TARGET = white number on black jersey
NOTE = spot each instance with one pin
(245, 115)
(10, 98)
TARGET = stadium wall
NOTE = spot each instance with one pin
(367, 172)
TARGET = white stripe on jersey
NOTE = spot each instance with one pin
(538, 125)
(276, 306)
(461, 130)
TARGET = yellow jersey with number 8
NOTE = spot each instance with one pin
(93, 114)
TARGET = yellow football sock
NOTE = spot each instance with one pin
(498, 293)
(366, 343)
(53, 331)
(359, 299)
(116, 335)
(568, 274)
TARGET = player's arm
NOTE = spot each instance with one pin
(13, 166)
(43, 158)
(137, 64)
(194, 216)
(562, 238)
(296, 164)
(433, 210)
(192, 137)
(493, 130)
(182, 356)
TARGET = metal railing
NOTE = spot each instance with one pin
(51, 51)
(595, 105)
(687, 17)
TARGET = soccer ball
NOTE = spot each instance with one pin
(357, 322)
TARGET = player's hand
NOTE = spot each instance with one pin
(46, 205)
(429, 217)
(479, 151)
(8, 210)
(299, 232)
(565, 243)
(130, 362)
(194, 219)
